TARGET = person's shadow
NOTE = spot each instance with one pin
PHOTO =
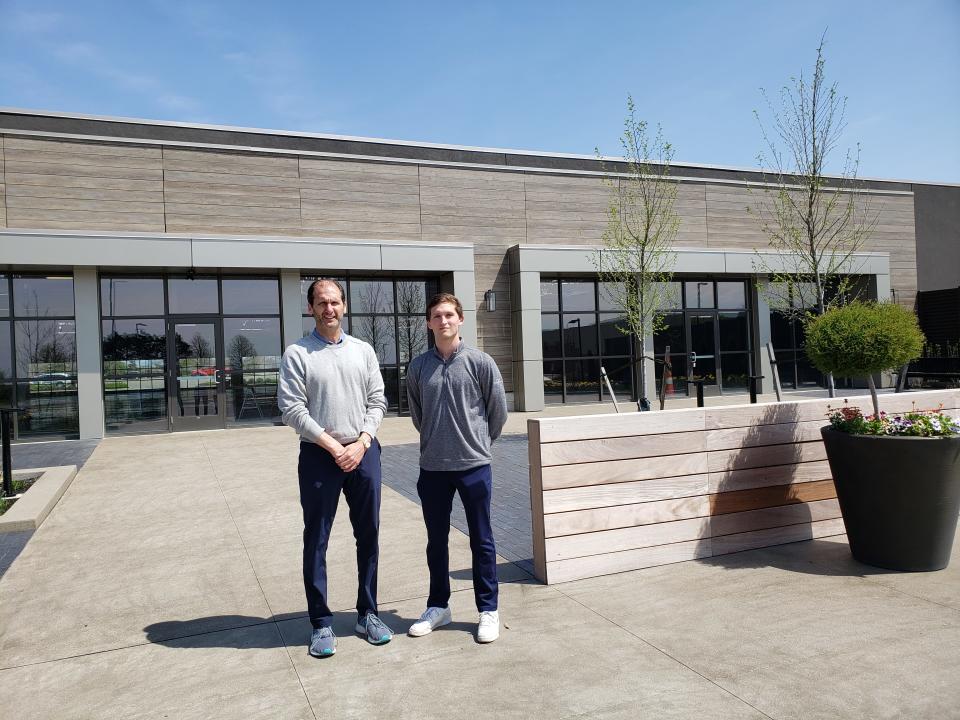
(245, 632)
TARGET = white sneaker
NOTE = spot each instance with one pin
(488, 629)
(432, 618)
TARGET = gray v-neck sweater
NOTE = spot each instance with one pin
(335, 388)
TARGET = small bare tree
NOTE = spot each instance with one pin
(636, 261)
(815, 223)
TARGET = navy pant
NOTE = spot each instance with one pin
(321, 483)
(436, 489)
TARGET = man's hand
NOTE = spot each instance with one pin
(350, 458)
(331, 445)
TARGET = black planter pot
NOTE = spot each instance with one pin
(899, 496)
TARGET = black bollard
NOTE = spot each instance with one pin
(753, 387)
(6, 430)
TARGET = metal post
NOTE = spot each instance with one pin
(699, 384)
(902, 378)
(776, 373)
(603, 374)
(753, 388)
(7, 432)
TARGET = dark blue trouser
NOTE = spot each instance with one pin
(321, 482)
(436, 489)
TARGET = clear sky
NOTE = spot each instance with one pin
(549, 76)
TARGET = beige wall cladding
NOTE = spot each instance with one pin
(493, 328)
(566, 210)
(221, 192)
(350, 199)
(3, 188)
(58, 184)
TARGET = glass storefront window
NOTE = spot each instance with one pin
(242, 296)
(412, 297)
(578, 295)
(191, 297)
(579, 335)
(371, 296)
(549, 296)
(131, 297)
(583, 377)
(612, 340)
(553, 379)
(4, 296)
(413, 339)
(252, 343)
(550, 331)
(46, 366)
(699, 294)
(134, 374)
(731, 295)
(671, 295)
(733, 331)
(379, 331)
(42, 296)
(610, 296)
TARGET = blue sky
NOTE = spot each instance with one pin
(549, 76)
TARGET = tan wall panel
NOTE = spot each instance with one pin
(68, 159)
(609, 518)
(603, 426)
(30, 217)
(743, 500)
(64, 181)
(733, 480)
(725, 544)
(743, 458)
(764, 435)
(14, 142)
(17, 200)
(607, 541)
(87, 193)
(785, 515)
(628, 493)
(217, 179)
(227, 163)
(583, 451)
(90, 171)
(621, 471)
(578, 568)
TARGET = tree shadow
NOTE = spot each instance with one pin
(759, 514)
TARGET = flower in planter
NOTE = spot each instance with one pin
(916, 423)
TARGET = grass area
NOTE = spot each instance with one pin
(20, 485)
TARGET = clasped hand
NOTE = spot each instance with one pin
(348, 458)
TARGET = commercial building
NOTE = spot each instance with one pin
(151, 273)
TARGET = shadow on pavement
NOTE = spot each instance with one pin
(231, 631)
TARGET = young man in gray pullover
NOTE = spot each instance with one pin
(331, 393)
(459, 407)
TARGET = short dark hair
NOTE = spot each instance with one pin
(444, 298)
(321, 281)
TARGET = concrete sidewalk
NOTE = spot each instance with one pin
(167, 583)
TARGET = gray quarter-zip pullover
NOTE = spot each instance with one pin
(458, 405)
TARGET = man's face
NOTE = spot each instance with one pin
(328, 307)
(444, 321)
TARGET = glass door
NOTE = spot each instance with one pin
(702, 342)
(197, 394)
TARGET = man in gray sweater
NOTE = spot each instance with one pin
(459, 407)
(331, 393)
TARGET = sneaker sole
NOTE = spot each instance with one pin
(324, 654)
(411, 632)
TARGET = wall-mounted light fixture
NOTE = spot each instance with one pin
(893, 295)
(490, 298)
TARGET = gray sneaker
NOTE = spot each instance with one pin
(323, 643)
(374, 629)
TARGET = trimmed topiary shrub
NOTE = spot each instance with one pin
(860, 339)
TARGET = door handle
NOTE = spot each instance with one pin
(693, 359)
(218, 375)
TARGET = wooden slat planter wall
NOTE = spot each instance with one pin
(611, 493)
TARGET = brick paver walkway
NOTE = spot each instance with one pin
(511, 493)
